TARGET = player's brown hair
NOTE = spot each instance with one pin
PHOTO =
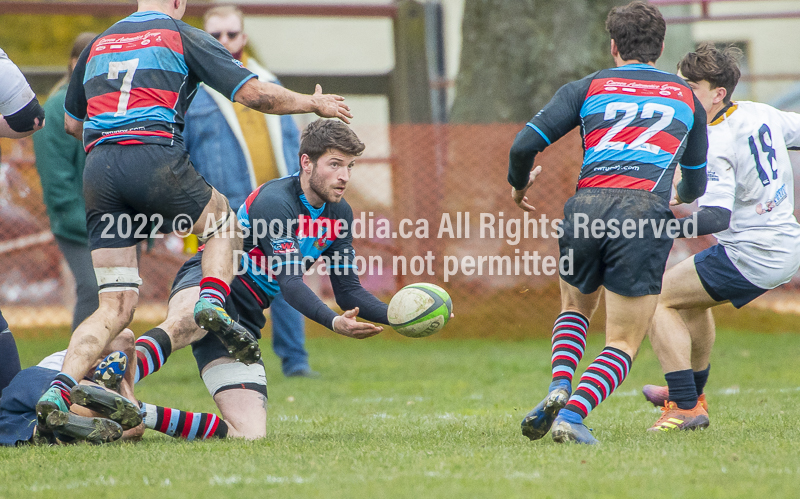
(322, 135)
(720, 68)
(638, 29)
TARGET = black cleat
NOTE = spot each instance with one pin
(241, 344)
(110, 404)
(93, 430)
(538, 422)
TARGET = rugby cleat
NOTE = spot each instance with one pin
(565, 431)
(110, 404)
(111, 370)
(659, 395)
(537, 422)
(240, 343)
(93, 430)
(675, 418)
(51, 401)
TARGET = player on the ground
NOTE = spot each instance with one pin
(127, 97)
(96, 415)
(637, 124)
(20, 112)
(749, 205)
(99, 413)
(291, 222)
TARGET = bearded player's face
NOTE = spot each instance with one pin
(330, 175)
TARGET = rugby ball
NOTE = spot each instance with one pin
(419, 310)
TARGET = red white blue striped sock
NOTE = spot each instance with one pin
(180, 424)
(601, 378)
(214, 290)
(153, 348)
(569, 343)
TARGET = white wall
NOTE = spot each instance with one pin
(772, 43)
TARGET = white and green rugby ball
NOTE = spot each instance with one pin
(419, 310)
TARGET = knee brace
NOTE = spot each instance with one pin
(236, 375)
(111, 279)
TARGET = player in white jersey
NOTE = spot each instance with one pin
(749, 206)
(20, 112)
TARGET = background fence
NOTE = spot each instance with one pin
(426, 174)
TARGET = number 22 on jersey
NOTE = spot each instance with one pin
(630, 111)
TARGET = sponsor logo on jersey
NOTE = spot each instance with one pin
(770, 205)
(284, 246)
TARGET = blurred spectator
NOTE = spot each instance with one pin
(236, 149)
(60, 160)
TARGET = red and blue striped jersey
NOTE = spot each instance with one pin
(134, 83)
(637, 124)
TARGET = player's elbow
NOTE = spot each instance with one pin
(27, 120)
(692, 184)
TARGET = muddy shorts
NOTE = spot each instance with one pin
(614, 239)
(137, 191)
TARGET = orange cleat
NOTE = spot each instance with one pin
(674, 418)
(659, 395)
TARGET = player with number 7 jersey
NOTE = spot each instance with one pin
(126, 100)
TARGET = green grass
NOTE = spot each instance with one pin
(440, 418)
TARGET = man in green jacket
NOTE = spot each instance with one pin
(60, 160)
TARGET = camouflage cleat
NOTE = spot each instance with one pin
(111, 370)
(52, 401)
(659, 395)
(240, 343)
(565, 431)
(537, 423)
(93, 430)
(675, 418)
(110, 404)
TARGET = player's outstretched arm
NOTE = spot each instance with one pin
(301, 298)
(270, 98)
(347, 325)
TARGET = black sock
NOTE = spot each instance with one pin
(9, 357)
(682, 390)
(153, 348)
(700, 379)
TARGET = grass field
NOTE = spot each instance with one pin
(440, 418)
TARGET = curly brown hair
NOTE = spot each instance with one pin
(638, 29)
(718, 67)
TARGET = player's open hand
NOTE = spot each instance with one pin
(330, 105)
(518, 195)
(347, 325)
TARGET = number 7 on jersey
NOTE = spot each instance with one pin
(129, 68)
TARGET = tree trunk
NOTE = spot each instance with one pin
(516, 53)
